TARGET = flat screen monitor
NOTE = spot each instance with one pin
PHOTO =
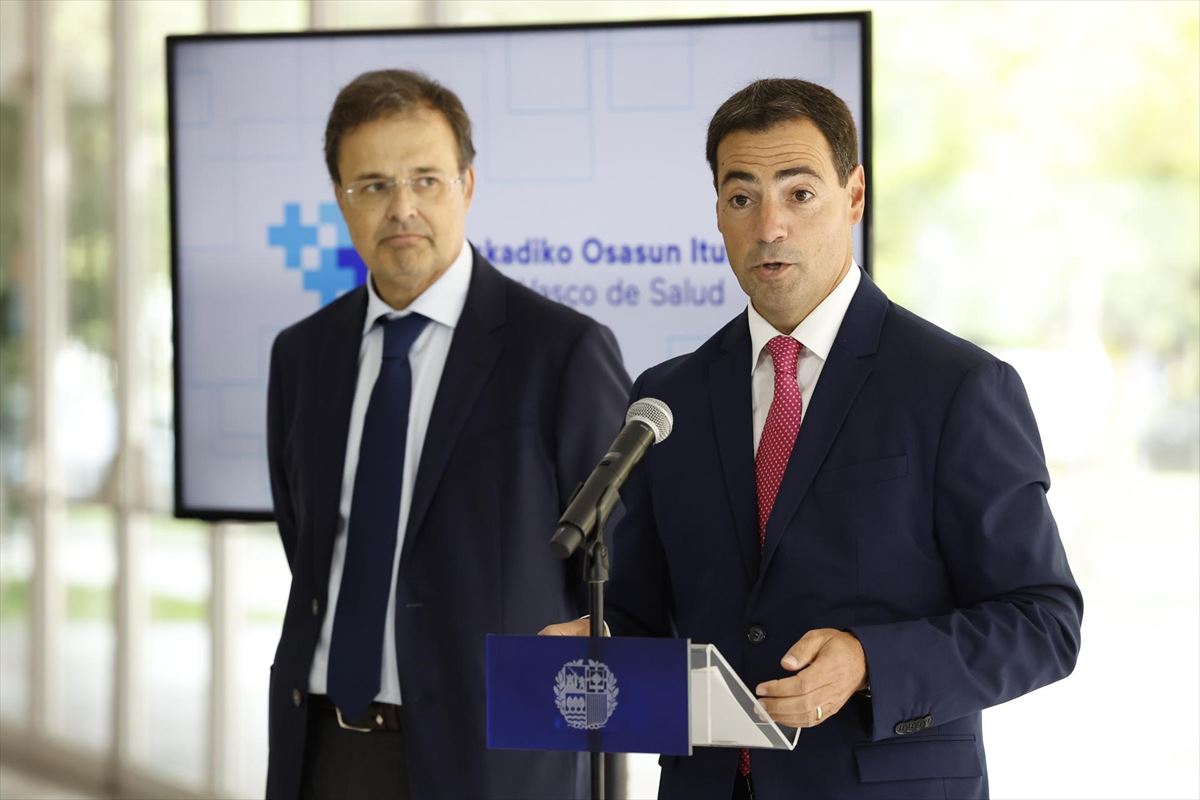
(591, 187)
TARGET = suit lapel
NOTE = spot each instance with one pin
(337, 374)
(843, 376)
(729, 388)
(473, 353)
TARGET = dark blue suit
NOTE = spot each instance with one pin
(912, 513)
(531, 395)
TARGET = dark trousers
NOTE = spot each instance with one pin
(346, 765)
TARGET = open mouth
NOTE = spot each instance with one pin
(774, 266)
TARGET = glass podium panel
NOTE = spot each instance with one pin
(724, 713)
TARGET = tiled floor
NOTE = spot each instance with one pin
(19, 785)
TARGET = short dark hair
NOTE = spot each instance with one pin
(768, 102)
(384, 92)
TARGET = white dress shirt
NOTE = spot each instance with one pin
(442, 303)
(816, 332)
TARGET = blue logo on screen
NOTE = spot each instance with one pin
(335, 270)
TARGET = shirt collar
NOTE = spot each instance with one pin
(816, 331)
(442, 302)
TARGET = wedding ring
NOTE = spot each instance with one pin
(818, 713)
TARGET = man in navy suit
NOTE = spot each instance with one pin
(852, 505)
(424, 432)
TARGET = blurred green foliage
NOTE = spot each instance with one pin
(13, 314)
(1037, 174)
(86, 602)
(90, 226)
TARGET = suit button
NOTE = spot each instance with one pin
(757, 634)
(296, 697)
(913, 725)
(316, 606)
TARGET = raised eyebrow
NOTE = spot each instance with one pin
(780, 175)
(738, 175)
(791, 172)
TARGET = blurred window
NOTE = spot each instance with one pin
(261, 15)
(82, 402)
(84, 406)
(170, 729)
(260, 580)
(81, 689)
(362, 14)
(170, 736)
(16, 569)
(16, 534)
(152, 24)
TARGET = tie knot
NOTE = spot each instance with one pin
(399, 333)
(784, 352)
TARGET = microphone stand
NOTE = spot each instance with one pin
(595, 571)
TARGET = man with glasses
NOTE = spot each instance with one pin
(424, 431)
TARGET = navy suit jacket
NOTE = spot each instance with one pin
(912, 513)
(531, 395)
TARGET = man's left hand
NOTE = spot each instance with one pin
(829, 665)
(576, 627)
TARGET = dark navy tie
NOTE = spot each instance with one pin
(356, 650)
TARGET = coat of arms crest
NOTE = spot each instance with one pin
(585, 693)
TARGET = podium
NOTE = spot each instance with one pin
(620, 695)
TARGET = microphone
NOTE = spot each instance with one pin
(647, 422)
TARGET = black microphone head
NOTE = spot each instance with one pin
(654, 414)
(566, 539)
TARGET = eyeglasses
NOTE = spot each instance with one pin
(376, 193)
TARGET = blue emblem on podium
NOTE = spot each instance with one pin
(585, 693)
(612, 695)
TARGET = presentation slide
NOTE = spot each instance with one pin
(592, 188)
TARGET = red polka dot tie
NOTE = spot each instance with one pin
(775, 446)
